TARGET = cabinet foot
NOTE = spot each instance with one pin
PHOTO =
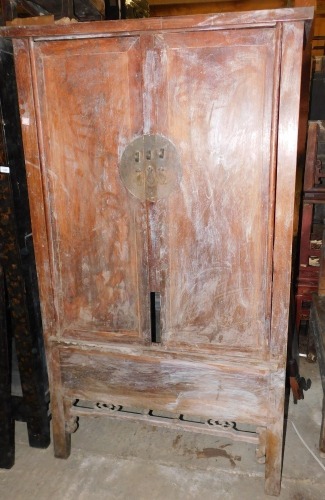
(273, 463)
(61, 442)
(39, 432)
(61, 434)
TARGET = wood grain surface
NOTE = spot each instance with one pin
(224, 91)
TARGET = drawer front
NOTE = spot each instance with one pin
(168, 384)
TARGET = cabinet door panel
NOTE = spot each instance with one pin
(214, 101)
(90, 107)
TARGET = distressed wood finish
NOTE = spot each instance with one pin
(224, 90)
(321, 280)
(317, 327)
(311, 183)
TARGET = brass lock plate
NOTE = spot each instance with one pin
(150, 167)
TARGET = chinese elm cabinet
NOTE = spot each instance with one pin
(161, 158)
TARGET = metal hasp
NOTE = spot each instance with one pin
(150, 167)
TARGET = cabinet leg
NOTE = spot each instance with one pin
(33, 390)
(322, 432)
(59, 408)
(7, 441)
(273, 464)
(61, 438)
(7, 424)
(38, 431)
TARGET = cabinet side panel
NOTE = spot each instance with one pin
(289, 99)
(34, 180)
(285, 185)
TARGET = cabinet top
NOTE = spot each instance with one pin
(257, 18)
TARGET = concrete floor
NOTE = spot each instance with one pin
(123, 460)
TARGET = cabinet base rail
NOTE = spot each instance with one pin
(227, 429)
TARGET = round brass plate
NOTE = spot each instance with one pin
(150, 167)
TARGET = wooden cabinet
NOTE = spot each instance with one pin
(161, 160)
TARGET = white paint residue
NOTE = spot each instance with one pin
(106, 277)
(30, 164)
(25, 120)
(85, 314)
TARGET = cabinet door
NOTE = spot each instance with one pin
(90, 107)
(211, 93)
(205, 246)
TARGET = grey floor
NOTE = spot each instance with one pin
(123, 460)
